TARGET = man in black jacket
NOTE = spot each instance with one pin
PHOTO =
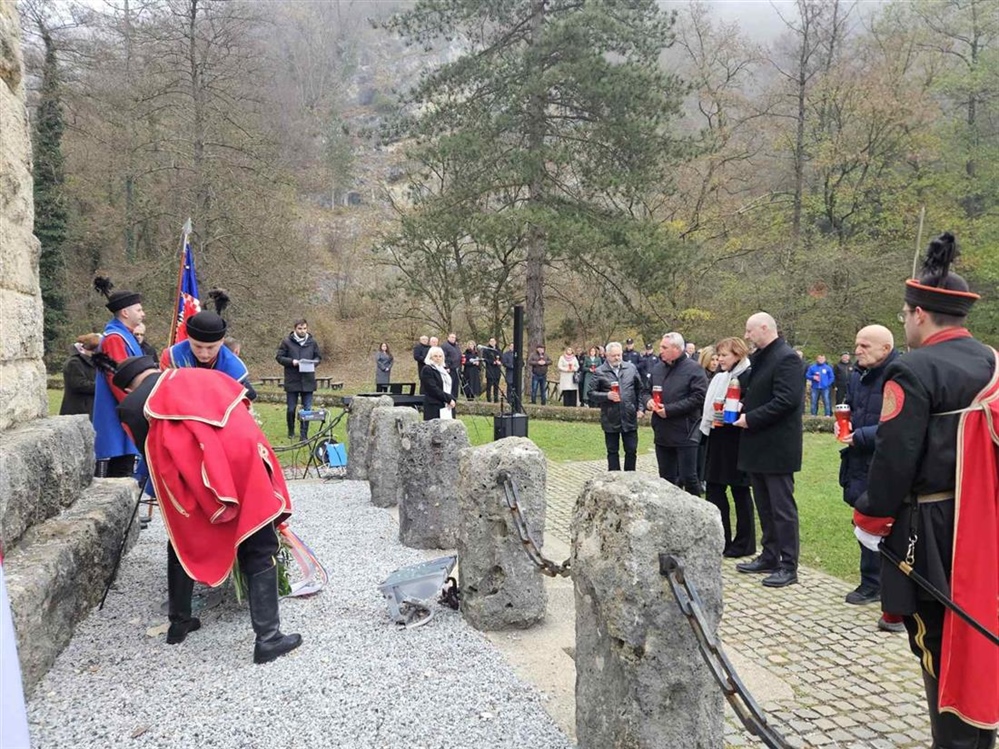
(452, 360)
(491, 358)
(420, 354)
(875, 351)
(770, 448)
(620, 408)
(843, 370)
(676, 418)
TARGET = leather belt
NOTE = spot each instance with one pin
(935, 497)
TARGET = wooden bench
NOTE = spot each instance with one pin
(271, 380)
(397, 388)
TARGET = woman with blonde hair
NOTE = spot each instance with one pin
(721, 471)
(438, 403)
(568, 366)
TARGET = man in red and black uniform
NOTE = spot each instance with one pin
(219, 486)
(932, 496)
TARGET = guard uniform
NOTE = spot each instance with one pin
(916, 496)
(220, 488)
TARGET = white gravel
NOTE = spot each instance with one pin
(357, 681)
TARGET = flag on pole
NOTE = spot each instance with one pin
(188, 303)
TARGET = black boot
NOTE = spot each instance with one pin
(263, 595)
(179, 590)
(949, 731)
(291, 425)
(305, 431)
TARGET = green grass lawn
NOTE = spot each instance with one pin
(827, 541)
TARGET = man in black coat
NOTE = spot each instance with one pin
(299, 354)
(420, 354)
(875, 351)
(676, 419)
(629, 354)
(491, 358)
(843, 370)
(452, 360)
(646, 364)
(620, 409)
(509, 361)
(770, 448)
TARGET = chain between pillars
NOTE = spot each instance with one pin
(544, 565)
(748, 712)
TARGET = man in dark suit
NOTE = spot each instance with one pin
(770, 448)
(676, 418)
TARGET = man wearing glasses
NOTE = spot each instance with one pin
(931, 500)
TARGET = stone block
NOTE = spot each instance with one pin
(428, 509)
(358, 426)
(58, 571)
(501, 587)
(22, 392)
(385, 453)
(22, 329)
(641, 682)
(44, 465)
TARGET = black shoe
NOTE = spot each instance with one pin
(863, 595)
(781, 578)
(263, 594)
(731, 553)
(179, 630)
(757, 565)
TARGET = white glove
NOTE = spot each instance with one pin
(867, 540)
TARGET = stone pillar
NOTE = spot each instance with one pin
(358, 425)
(385, 453)
(500, 586)
(641, 682)
(428, 508)
(22, 373)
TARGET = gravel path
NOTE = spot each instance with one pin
(356, 682)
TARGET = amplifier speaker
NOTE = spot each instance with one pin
(509, 425)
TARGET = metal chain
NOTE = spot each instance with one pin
(544, 565)
(748, 712)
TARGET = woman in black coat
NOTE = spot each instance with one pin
(79, 376)
(721, 471)
(438, 403)
(297, 349)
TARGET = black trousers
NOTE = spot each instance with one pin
(630, 442)
(925, 629)
(678, 465)
(569, 398)
(744, 542)
(257, 553)
(774, 495)
(492, 389)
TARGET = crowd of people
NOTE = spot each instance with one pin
(918, 461)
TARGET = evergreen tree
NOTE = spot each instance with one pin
(552, 120)
(50, 210)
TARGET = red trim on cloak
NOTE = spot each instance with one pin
(969, 664)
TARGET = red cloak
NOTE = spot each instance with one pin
(217, 480)
(969, 664)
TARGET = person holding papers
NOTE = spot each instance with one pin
(299, 354)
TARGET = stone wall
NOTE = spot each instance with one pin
(22, 373)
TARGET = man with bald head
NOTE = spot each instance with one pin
(770, 448)
(875, 350)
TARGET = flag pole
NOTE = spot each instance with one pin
(180, 279)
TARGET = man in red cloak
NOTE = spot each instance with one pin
(933, 497)
(219, 486)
